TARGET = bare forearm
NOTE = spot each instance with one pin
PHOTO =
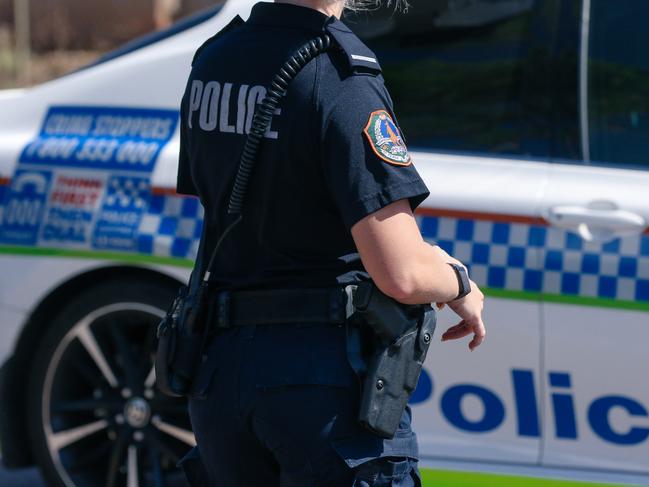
(427, 278)
(401, 263)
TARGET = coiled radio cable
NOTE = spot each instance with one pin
(261, 122)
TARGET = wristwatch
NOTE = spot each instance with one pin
(462, 280)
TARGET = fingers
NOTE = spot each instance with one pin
(455, 327)
(460, 330)
(464, 328)
(478, 336)
(461, 324)
(470, 310)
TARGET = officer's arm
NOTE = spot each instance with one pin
(399, 261)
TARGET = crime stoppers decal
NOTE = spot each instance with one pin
(84, 181)
(386, 140)
(118, 139)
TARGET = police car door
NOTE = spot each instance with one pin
(596, 254)
(471, 85)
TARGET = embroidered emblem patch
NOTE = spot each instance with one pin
(386, 140)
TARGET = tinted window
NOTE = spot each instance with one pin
(618, 82)
(489, 76)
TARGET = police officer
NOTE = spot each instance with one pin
(275, 401)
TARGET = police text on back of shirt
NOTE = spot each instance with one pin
(214, 103)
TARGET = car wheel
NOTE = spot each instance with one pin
(96, 417)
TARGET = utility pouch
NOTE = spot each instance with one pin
(181, 337)
(167, 340)
(402, 335)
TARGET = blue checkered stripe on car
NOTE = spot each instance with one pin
(536, 258)
(171, 227)
(500, 255)
(3, 190)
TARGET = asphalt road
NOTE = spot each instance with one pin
(20, 478)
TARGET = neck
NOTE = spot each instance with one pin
(327, 7)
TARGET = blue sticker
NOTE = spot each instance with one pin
(84, 181)
(124, 139)
(126, 199)
(24, 205)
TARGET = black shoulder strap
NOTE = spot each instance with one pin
(359, 56)
(234, 23)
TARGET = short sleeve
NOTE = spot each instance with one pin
(184, 181)
(367, 165)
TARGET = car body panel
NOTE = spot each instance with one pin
(495, 406)
(471, 411)
(611, 269)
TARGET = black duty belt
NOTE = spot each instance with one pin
(283, 306)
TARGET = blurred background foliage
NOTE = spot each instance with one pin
(63, 35)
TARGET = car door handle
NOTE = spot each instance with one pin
(595, 224)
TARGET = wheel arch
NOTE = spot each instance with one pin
(16, 449)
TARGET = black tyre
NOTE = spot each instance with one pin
(96, 417)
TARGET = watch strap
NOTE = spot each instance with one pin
(463, 281)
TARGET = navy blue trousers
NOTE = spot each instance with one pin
(277, 406)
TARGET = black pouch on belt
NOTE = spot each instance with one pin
(181, 336)
(402, 335)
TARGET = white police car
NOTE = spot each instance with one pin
(529, 120)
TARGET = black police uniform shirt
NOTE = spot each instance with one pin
(332, 156)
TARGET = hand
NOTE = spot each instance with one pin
(469, 308)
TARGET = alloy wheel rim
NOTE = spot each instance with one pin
(101, 413)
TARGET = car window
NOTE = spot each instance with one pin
(618, 82)
(487, 76)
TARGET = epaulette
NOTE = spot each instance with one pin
(234, 23)
(361, 59)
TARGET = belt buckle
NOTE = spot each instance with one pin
(223, 310)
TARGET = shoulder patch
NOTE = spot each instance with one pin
(386, 140)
